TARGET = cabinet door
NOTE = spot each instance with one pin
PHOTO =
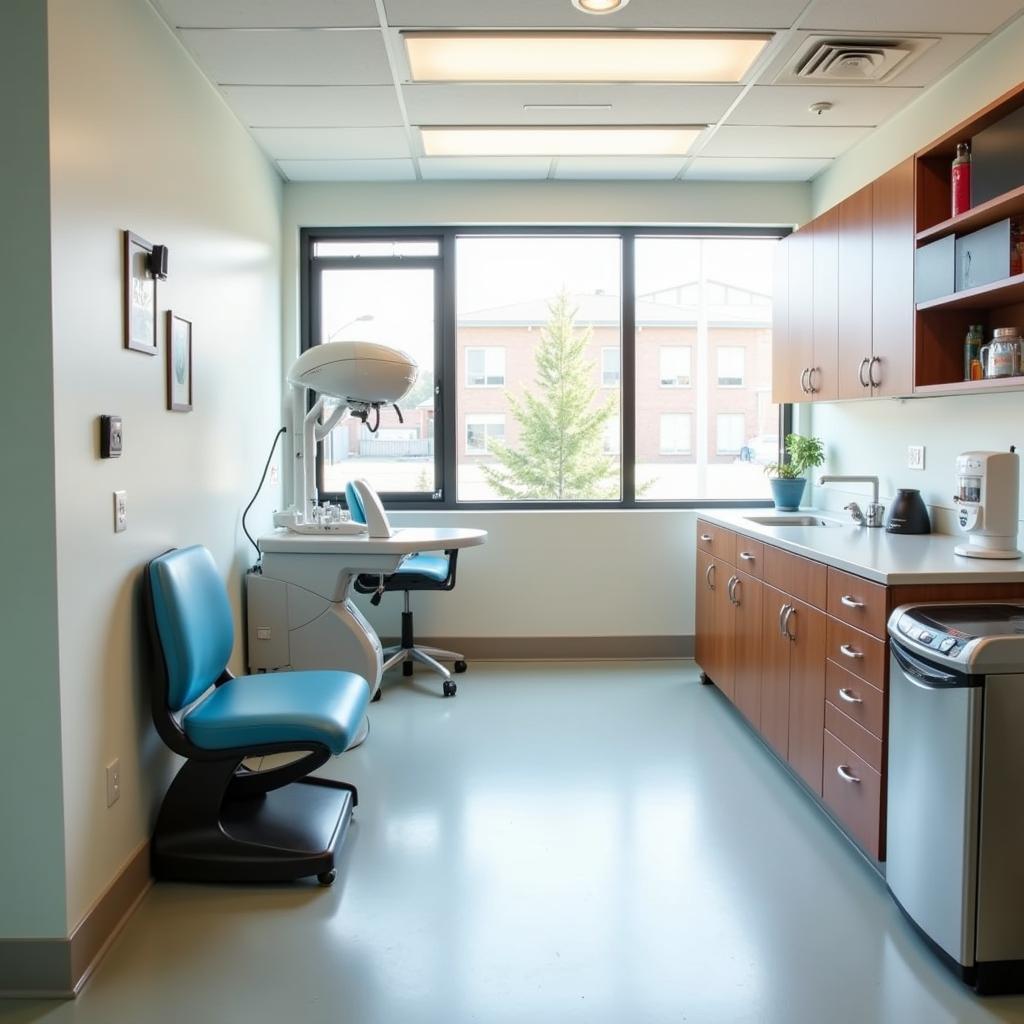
(855, 304)
(800, 342)
(749, 596)
(714, 615)
(807, 628)
(785, 375)
(704, 598)
(892, 315)
(824, 305)
(724, 631)
(775, 653)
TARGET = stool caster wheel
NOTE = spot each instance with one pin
(460, 666)
(328, 877)
(406, 668)
(377, 696)
(449, 688)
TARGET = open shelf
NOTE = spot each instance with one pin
(1010, 204)
(1006, 292)
(970, 387)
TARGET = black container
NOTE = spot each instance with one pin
(908, 513)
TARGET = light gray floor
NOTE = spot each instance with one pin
(597, 842)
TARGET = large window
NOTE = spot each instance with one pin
(557, 366)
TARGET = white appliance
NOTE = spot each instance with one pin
(954, 821)
(988, 484)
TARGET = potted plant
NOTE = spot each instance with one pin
(787, 477)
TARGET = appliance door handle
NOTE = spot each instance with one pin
(871, 371)
(850, 602)
(849, 651)
(708, 576)
(849, 696)
(920, 673)
(845, 774)
(785, 623)
(864, 363)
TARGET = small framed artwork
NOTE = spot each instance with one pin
(139, 295)
(179, 363)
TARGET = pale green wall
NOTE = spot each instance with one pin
(31, 818)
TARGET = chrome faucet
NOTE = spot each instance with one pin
(874, 513)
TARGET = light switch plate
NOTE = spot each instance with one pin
(120, 511)
(915, 456)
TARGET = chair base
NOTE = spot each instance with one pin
(283, 835)
(407, 652)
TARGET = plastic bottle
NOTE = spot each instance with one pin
(962, 178)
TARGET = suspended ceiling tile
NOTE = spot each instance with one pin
(494, 103)
(314, 106)
(790, 105)
(930, 16)
(772, 141)
(646, 168)
(347, 170)
(290, 56)
(651, 14)
(270, 13)
(332, 143)
(925, 69)
(748, 169)
(471, 168)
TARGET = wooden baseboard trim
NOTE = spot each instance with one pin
(562, 648)
(60, 967)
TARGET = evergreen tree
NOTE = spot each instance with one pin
(561, 455)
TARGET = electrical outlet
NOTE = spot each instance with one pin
(274, 476)
(120, 511)
(915, 456)
(113, 782)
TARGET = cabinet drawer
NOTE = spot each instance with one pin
(864, 703)
(857, 652)
(858, 739)
(750, 556)
(716, 541)
(852, 789)
(802, 578)
(858, 602)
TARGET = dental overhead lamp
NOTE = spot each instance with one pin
(362, 377)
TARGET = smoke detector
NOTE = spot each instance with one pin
(853, 61)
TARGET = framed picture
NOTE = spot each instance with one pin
(179, 363)
(139, 296)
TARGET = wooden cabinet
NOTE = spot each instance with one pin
(855, 294)
(892, 275)
(806, 628)
(784, 378)
(800, 340)
(853, 790)
(775, 671)
(823, 380)
(748, 600)
(714, 642)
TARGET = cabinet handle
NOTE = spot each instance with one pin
(785, 624)
(849, 651)
(848, 695)
(871, 371)
(734, 582)
(747, 556)
(708, 576)
(850, 602)
(845, 774)
(705, 538)
(864, 364)
(810, 379)
(803, 380)
(782, 619)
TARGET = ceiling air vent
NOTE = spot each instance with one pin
(851, 61)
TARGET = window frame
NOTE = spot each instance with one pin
(446, 426)
(485, 349)
(719, 349)
(617, 349)
(484, 419)
(682, 452)
(662, 349)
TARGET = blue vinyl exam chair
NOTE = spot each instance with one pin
(221, 822)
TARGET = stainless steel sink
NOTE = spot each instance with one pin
(792, 521)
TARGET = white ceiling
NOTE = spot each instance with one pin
(324, 88)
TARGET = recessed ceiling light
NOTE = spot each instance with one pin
(559, 141)
(599, 6)
(581, 56)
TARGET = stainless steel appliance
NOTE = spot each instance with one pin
(955, 811)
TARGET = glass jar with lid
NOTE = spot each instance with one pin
(1001, 357)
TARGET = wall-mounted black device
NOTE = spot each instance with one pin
(158, 262)
(111, 437)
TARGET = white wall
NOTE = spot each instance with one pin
(871, 437)
(558, 573)
(31, 833)
(140, 140)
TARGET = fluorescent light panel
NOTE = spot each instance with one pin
(581, 56)
(558, 141)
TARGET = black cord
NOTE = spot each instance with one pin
(277, 437)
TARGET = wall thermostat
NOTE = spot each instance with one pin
(111, 437)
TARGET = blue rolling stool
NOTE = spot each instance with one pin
(221, 822)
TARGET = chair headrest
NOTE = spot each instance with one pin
(355, 504)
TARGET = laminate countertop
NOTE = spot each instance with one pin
(887, 558)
